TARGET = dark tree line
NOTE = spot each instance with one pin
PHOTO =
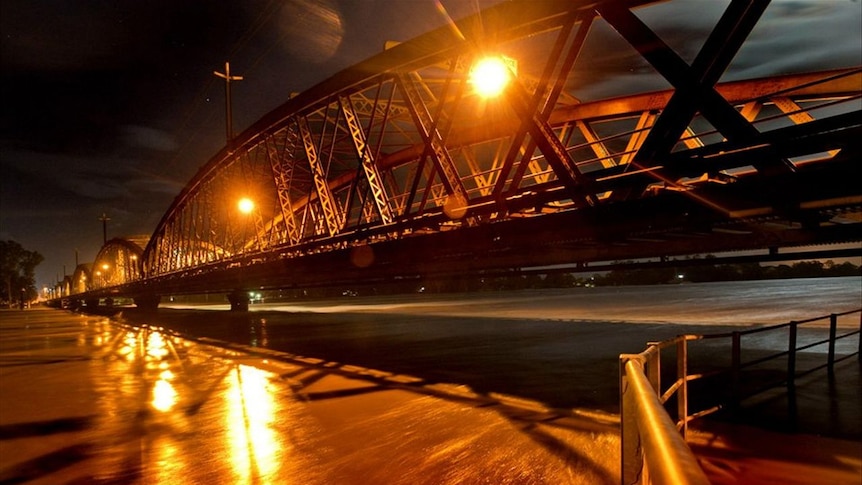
(699, 273)
(17, 272)
(727, 272)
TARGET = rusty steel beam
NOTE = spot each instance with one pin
(694, 84)
(324, 194)
(281, 159)
(366, 161)
(432, 139)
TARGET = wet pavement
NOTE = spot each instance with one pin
(85, 400)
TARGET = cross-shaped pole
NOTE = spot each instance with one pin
(104, 220)
(227, 79)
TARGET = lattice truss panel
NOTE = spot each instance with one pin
(118, 262)
(408, 147)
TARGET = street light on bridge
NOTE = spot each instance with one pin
(490, 75)
(245, 205)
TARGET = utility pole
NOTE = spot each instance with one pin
(104, 220)
(227, 79)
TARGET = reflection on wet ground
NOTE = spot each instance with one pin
(508, 388)
(88, 401)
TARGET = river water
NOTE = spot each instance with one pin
(559, 347)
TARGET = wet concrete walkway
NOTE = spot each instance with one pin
(84, 400)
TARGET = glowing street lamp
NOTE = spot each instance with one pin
(245, 205)
(490, 75)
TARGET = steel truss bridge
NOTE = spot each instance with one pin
(397, 168)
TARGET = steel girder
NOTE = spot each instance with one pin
(400, 146)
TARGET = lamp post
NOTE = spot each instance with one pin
(227, 79)
(104, 220)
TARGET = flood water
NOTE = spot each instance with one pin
(558, 346)
(502, 388)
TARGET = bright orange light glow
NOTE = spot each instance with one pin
(490, 75)
(164, 395)
(250, 420)
(245, 205)
(157, 348)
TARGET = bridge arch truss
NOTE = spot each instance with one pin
(118, 263)
(401, 146)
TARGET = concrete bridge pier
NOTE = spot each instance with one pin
(147, 302)
(239, 301)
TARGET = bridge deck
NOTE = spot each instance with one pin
(75, 406)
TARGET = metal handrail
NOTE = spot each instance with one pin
(650, 453)
(667, 457)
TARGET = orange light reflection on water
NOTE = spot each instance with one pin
(164, 394)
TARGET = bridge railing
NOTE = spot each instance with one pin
(653, 445)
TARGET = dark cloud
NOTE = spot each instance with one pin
(792, 36)
(146, 137)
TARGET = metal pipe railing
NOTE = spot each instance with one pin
(656, 453)
(653, 447)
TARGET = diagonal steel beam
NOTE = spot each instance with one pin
(324, 194)
(369, 168)
(552, 148)
(281, 160)
(694, 84)
(545, 97)
(432, 139)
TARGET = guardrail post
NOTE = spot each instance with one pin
(735, 364)
(653, 367)
(833, 326)
(682, 392)
(791, 356)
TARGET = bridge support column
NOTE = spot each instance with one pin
(91, 303)
(238, 301)
(147, 302)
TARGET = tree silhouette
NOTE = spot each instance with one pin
(17, 271)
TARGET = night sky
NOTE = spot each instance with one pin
(111, 106)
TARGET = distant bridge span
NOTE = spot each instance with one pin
(398, 168)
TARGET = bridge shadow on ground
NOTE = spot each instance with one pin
(346, 401)
(548, 427)
(561, 364)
